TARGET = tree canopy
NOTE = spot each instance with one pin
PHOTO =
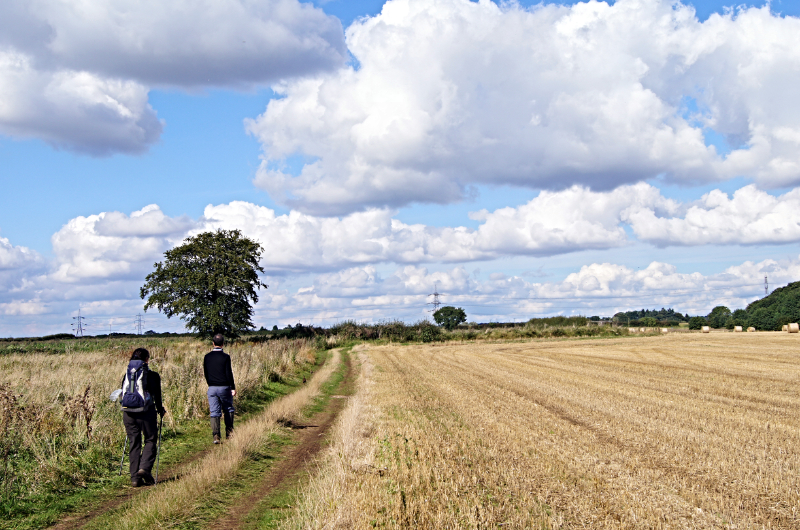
(718, 316)
(449, 317)
(210, 281)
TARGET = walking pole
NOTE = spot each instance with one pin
(122, 458)
(158, 450)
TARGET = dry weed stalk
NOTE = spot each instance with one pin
(63, 399)
(679, 431)
(177, 501)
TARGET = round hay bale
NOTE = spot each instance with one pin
(784, 328)
(632, 330)
(751, 329)
(706, 329)
(642, 329)
(664, 330)
(737, 329)
(794, 327)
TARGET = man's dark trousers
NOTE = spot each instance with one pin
(138, 425)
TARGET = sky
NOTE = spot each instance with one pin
(525, 159)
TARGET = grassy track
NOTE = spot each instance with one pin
(214, 481)
(679, 431)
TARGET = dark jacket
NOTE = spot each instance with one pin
(153, 387)
(217, 369)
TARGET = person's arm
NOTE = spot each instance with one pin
(229, 375)
(154, 382)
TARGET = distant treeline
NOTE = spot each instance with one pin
(770, 313)
(660, 315)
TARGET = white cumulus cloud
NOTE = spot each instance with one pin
(77, 74)
(451, 93)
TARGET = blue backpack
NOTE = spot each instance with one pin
(135, 397)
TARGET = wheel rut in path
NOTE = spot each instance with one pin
(79, 520)
(295, 459)
(126, 493)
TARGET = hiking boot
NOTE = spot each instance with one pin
(215, 429)
(146, 478)
(136, 481)
(228, 424)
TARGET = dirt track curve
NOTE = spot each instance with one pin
(293, 460)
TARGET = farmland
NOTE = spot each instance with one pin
(677, 431)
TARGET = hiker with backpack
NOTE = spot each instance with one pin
(221, 387)
(140, 402)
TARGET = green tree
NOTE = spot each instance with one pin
(718, 316)
(210, 281)
(649, 322)
(697, 322)
(449, 317)
(763, 320)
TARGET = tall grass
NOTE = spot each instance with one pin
(174, 502)
(58, 429)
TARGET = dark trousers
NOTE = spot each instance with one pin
(140, 425)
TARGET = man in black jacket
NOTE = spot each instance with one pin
(144, 424)
(221, 387)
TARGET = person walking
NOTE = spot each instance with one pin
(221, 387)
(141, 400)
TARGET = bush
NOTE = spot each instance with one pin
(697, 322)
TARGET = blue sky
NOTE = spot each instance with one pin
(218, 144)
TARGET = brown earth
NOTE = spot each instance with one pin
(166, 474)
(295, 459)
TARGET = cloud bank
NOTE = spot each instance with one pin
(331, 267)
(447, 94)
(77, 74)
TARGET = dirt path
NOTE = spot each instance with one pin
(126, 493)
(295, 459)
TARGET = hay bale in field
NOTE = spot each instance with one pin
(737, 329)
(642, 329)
(632, 330)
(751, 329)
(794, 327)
(706, 329)
(784, 328)
(664, 330)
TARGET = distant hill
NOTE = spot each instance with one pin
(782, 306)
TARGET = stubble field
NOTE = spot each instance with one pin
(676, 431)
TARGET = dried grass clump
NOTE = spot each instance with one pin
(177, 501)
(60, 424)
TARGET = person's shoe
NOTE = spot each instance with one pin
(146, 478)
(228, 425)
(136, 481)
(215, 429)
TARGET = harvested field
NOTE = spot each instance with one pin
(673, 431)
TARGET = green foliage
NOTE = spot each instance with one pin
(697, 322)
(449, 317)
(718, 316)
(658, 314)
(209, 281)
(648, 322)
(763, 320)
(782, 305)
(559, 320)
